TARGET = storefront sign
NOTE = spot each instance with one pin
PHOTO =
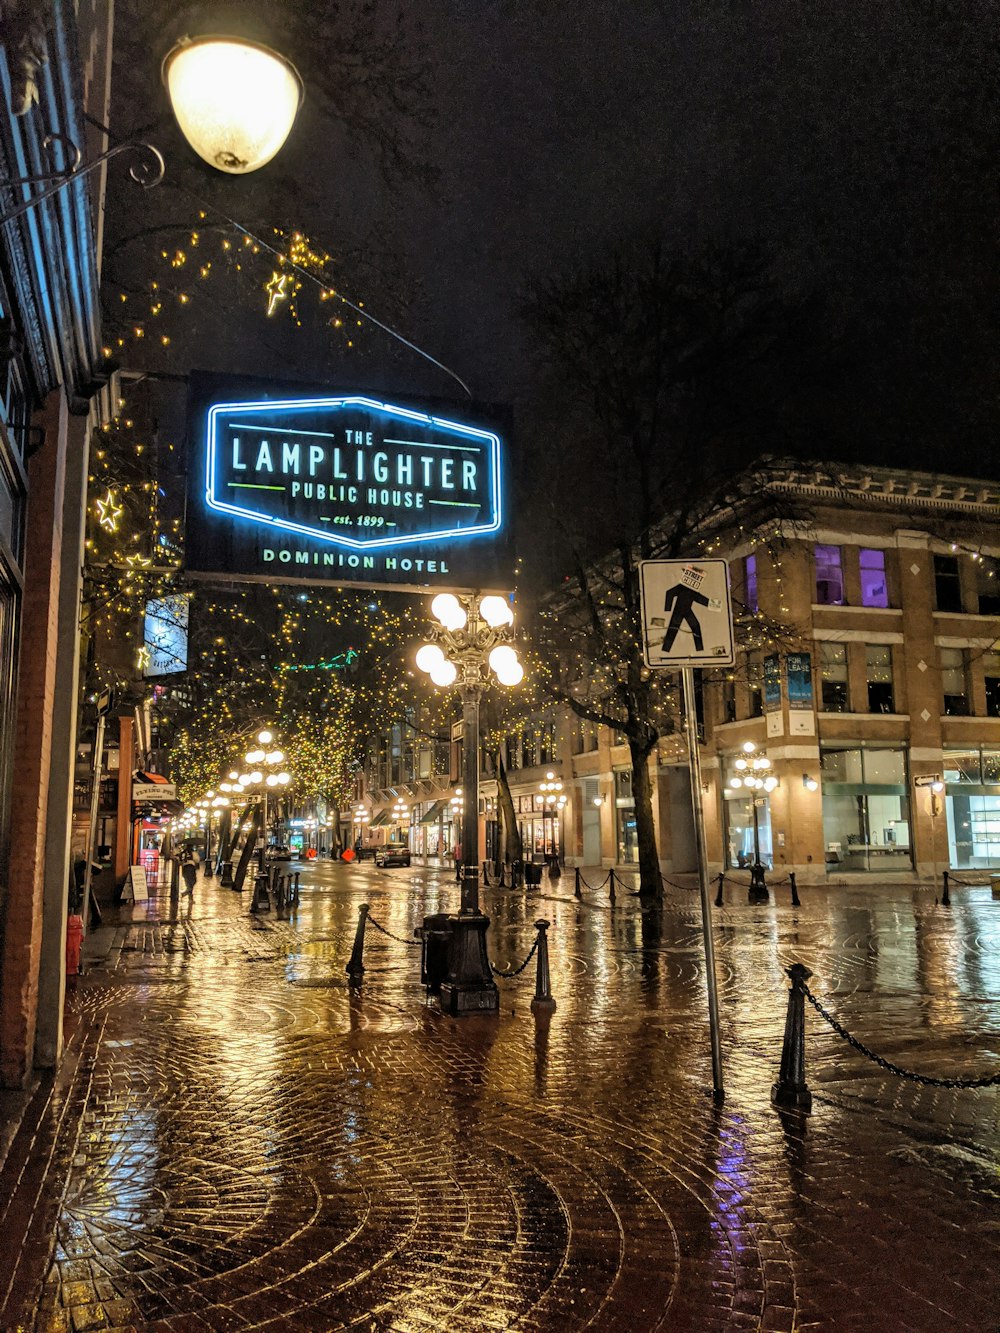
(289, 485)
(800, 687)
(154, 791)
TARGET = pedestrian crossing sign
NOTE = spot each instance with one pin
(687, 616)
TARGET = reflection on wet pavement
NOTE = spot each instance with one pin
(238, 1140)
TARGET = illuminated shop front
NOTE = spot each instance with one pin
(866, 809)
(972, 803)
(541, 829)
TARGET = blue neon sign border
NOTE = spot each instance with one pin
(353, 400)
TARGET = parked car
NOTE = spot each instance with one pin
(392, 854)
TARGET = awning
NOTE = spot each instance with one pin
(381, 818)
(431, 817)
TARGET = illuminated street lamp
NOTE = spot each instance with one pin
(264, 775)
(553, 802)
(473, 637)
(754, 773)
(235, 101)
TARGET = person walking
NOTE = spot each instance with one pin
(189, 870)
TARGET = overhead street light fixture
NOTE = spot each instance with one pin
(235, 100)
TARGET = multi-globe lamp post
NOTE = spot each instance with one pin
(553, 803)
(470, 644)
(264, 775)
(753, 773)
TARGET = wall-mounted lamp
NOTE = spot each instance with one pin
(809, 783)
(598, 801)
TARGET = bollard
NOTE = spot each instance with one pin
(208, 871)
(260, 902)
(945, 896)
(278, 889)
(795, 891)
(611, 881)
(175, 873)
(293, 896)
(226, 881)
(718, 896)
(790, 1089)
(355, 968)
(577, 892)
(543, 1001)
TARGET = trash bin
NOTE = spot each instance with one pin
(434, 936)
(532, 873)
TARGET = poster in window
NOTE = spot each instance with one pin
(772, 684)
(800, 687)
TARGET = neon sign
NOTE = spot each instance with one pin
(288, 485)
(354, 472)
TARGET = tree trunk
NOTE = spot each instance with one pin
(333, 815)
(512, 849)
(650, 882)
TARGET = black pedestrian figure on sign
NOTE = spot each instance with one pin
(683, 600)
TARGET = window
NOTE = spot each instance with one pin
(954, 685)
(988, 588)
(829, 576)
(878, 667)
(755, 689)
(947, 584)
(991, 671)
(874, 588)
(750, 583)
(866, 819)
(833, 678)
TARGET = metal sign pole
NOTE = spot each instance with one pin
(694, 761)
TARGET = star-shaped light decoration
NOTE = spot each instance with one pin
(109, 511)
(138, 562)
(143, 657)
(277, 290)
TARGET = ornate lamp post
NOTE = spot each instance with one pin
(754, 774)
(553, 801)
(255, 779)
(472, 638)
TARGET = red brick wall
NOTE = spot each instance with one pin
(22, 927)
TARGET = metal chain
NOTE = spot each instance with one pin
(518, 970)
(968, 883)
(370, 920)
(594, 887)
(986, 1081)
(745, 883)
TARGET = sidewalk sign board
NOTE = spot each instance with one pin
(135, 890)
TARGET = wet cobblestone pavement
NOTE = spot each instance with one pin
(236, 1140)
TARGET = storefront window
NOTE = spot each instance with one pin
(628, 842)
(866, 813)
(742, 845)
(991, 674)
(972, 802)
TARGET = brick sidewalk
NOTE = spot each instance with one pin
(236, 1140)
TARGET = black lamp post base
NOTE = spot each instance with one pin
(468, 987)
(758, 885)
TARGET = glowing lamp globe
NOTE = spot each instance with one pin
(235, 101)
(429, 656)
(511, 673)
(284, 779)
(444, 673)
(496, 612)
(448, 610)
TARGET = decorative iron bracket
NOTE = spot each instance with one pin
(147, 172)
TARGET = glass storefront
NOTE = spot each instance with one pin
(541, 830)
(625, 834)
(972, 802)
(742, 844)
(866, 810)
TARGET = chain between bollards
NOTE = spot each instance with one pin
(355, 968)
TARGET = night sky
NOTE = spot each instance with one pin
(856, 144)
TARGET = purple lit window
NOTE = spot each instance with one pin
(829, 576)
(750, 582)
(874, 589)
